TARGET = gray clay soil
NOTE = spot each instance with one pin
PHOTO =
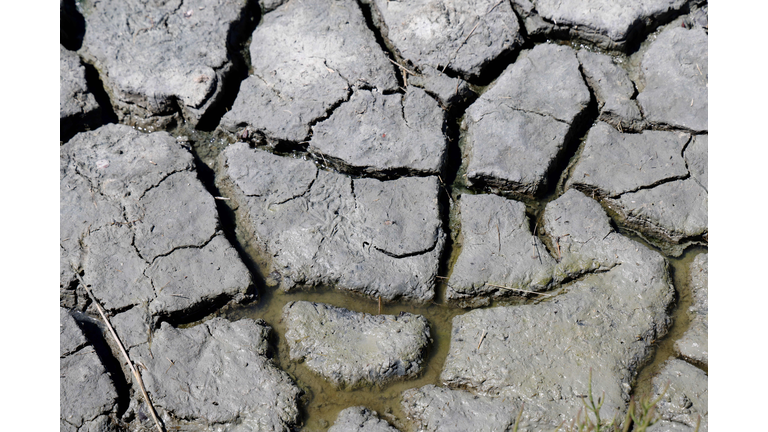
(339, 215)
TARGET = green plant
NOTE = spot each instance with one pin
(517, 420)
(642, 414)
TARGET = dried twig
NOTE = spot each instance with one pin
(403, 67)
(536, 245)
(122, 350)
(470, 34)
(442, 183)
(481, 339)
(460, 45)
(518, 289)
(498, 234)
(169, 367)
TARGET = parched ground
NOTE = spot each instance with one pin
(537, 168)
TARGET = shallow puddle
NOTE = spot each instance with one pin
(323, 400)
(681, 321)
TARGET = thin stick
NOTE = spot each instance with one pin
(442, 183)
(403, 67)
(498, 234)
(462, 44)
(481, 339)
(125, 354)
(518, 289)
(536, 245)
(470, 34)
(169, 367)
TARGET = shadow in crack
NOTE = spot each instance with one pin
(71, 25)
(95, 332)
(238, 49)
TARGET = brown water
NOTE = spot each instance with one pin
(323, 401)
(680, 270)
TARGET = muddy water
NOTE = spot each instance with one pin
(680, 270)
(322, 400)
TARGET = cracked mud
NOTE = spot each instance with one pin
(365, 215)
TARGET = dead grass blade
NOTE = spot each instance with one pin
(122, 350)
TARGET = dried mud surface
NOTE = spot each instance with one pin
(383, 217)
